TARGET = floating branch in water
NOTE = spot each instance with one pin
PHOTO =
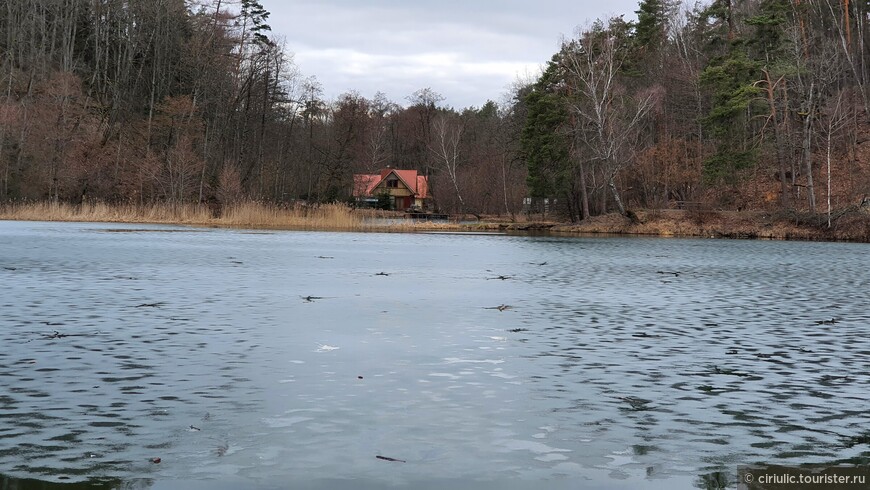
(829, 380)
(382, 274)
(324, 257)
(311, 299)
(675, 273)
(499, 307)
(58, 335)
(729, 371)
(151, 305)
(387, 458)
(637, 404)
(832, 321)
(711, 389)
(503, 278)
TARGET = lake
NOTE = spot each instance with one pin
(275, 359)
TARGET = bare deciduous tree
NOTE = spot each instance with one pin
(609, 118)
(446, 138)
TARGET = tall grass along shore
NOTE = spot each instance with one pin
(850, 225)
(243, 215)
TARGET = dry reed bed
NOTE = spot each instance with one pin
(100, 212)
(336, 217)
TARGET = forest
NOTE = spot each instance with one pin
(729, 104)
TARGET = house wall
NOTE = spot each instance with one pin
(400, 191)
(403, 202)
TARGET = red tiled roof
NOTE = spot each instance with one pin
(364, 184)
(409, 178)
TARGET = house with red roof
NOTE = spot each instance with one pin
(406, 189)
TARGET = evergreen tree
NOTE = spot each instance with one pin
(731, 80)
(544, 144)
(649, 30)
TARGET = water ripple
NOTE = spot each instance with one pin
(626, 358)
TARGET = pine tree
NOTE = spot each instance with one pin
(731, 80)
(544, 143)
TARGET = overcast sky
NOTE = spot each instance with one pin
(466, 50)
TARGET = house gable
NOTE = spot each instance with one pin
(395, 184)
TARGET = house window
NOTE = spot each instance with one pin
(393, 183)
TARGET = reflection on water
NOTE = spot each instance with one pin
(292, 356)
(7, 482)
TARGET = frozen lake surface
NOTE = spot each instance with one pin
(273, 359)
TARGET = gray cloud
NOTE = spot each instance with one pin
(468, 51)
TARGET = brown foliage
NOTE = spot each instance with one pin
(666, 174)
(229, 189)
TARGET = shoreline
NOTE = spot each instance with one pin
(850, 225)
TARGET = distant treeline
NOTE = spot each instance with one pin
(730, 104)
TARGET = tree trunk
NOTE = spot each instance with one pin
(808, 153)
(615, 192)
(584, 194)
(774, 118)
(507, 208)
(829, 176)
(729, 18)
